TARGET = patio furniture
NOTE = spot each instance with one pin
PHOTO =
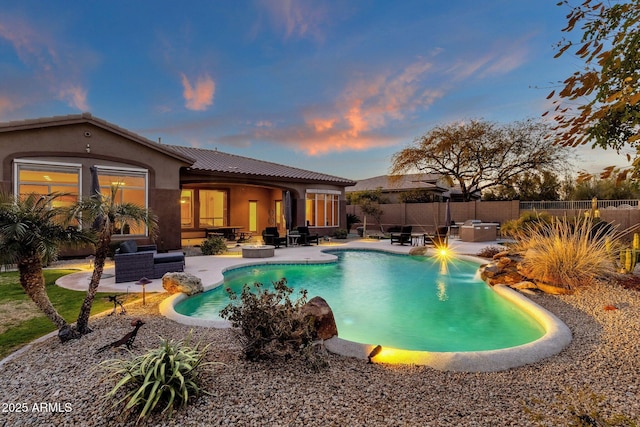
(133, 262)
(439, 238)
(403, 237)
(272, 237)
(306, 238)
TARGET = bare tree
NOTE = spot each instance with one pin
(477, 155)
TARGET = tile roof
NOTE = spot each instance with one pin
(198, 158)
(217, 161)
(71, 119)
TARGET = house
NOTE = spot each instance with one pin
(193, 191)
(418, 187)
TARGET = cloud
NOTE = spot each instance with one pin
(501, 59)
(199, 96)
(75, 96)
(50, 64)
(297, 18)
(8, 104)
(356, 120)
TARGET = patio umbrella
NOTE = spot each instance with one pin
(447, 214)
(287, 209)
(447, 219)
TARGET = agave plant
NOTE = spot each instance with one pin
(166, 378)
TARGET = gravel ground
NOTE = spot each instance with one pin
(602, 362)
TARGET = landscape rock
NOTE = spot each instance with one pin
(182, 282)
(324, 322)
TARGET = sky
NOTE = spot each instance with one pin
(336, 87)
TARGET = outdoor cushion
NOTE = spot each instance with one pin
(168, 257)
(128, 247)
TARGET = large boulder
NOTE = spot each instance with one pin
(323, 321)
(182, 282)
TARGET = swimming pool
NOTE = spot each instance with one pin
(399, 301)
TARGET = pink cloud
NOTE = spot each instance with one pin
(7, 104)
(199, 96)
(48, 61)
(367, 105)
(75, 96)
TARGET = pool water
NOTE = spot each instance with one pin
(399, 301)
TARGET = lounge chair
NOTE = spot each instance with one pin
(403, 237)
(306, 238)
(270, 236)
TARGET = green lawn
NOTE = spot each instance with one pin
(67, 303)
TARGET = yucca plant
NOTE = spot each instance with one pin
(166, 378)
(567, 254)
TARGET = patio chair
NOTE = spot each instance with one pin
(306, 238)
(403, 237)
(439, 238)
(270, 236)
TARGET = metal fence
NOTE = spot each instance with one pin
(579, 205)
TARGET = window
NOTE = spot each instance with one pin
(130, 186)
(253, 215)
(213, 208)
(48, 177)
(322, 208)
(186, 209)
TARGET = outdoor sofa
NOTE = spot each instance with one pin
(134, 262)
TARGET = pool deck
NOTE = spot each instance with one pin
(210, 270)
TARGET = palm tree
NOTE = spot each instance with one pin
(31, 231)
(104, 213)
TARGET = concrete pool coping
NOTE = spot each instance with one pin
(210, 269)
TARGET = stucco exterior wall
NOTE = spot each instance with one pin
(87, 144)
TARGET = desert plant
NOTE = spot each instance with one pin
(578, 408)
(528, 222)
(271, 324)
(566, 253)
(352, 219)
(214, 245)
(340, 233)
(489, 251)
(166, 378)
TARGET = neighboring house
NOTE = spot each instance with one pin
(394, 188)
(190, 189)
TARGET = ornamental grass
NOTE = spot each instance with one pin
(568, 254)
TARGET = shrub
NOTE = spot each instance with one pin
(489, 251)
(214, 245)
(581, 408)
(271, 325)
(340, 233)
(162, 378)
(528, 222)
(566, 254)
(352, 219)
